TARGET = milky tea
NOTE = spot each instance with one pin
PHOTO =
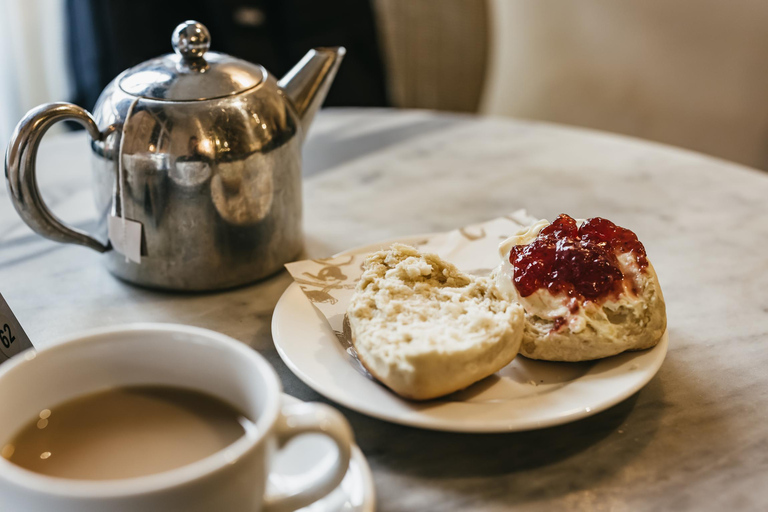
(126, 432)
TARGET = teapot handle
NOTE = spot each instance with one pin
(20, 160)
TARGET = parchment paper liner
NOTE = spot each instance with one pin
(330, 282)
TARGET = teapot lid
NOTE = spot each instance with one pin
(192, 73)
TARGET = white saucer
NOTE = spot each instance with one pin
(356, 492)
(525, 395)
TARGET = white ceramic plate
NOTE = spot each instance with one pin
(524, 395)
(354, 494)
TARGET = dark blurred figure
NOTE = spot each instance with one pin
(109, 36)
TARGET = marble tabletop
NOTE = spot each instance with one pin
(695, 438)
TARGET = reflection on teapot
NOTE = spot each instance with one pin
(194, 168)
(243, 193)
(200, 148)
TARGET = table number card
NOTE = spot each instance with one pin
(13, 339)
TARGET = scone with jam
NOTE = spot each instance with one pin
(587, 288)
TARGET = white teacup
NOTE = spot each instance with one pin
(231, 480)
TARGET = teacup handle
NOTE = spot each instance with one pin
(20, 160)
(304, 418)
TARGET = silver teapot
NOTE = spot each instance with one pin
(199, 154)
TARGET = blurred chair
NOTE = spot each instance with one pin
(691, 73)
(435, 52)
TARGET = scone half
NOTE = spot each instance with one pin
(425, 329)
(563, 325)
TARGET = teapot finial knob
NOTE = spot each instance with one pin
(191, 40)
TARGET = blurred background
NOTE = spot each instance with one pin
(691, 73)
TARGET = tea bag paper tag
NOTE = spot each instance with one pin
(125, 235)
(13, 339)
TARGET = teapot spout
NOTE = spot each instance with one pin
(308, 82)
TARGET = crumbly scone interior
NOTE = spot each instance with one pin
(406, 292)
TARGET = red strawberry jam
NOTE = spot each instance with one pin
(580, 262)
